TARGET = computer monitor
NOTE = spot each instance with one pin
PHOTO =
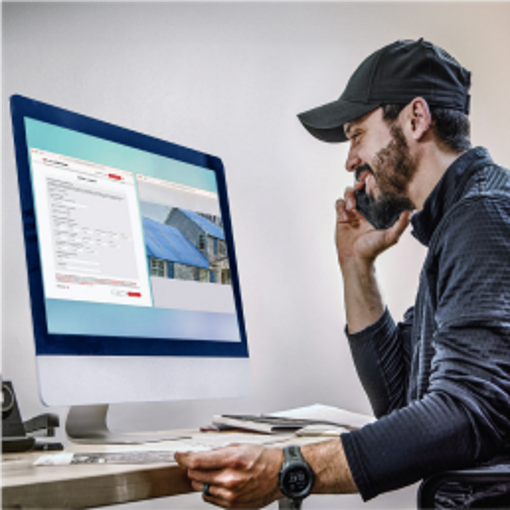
(133, 281)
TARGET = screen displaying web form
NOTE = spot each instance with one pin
(132, 244)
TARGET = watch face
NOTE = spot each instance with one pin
(297, 480)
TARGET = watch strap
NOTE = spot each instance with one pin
(292, 453)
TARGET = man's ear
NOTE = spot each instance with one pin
(420, 118)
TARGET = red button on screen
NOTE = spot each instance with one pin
(134, 294)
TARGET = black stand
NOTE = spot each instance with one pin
(87, 424)
(14, 438)
(14, 430)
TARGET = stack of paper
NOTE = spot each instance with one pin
(316, 419)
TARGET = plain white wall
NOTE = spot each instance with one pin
(229, 79)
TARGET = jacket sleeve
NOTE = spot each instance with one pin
(381, 355)
(464, 415)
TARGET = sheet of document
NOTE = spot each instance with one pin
(324, 413)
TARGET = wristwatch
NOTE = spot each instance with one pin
(296, 476)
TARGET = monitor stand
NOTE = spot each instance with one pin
(87, 424)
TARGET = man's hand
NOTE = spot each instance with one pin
(357, 241)
(358, 244)
(239, 476)
(246, 476)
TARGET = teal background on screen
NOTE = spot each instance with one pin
(44, 136)
(82, 318)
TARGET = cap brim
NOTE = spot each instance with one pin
(326, 122)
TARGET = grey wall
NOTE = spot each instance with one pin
(229, 79)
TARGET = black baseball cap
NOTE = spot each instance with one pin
(395, 74)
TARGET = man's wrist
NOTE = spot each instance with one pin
(355, 264)
(329, 463)
(277, 459)
(363, 302)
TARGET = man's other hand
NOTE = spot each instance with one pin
(239, 476)
(246, 476)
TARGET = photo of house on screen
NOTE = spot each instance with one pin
(186, 245)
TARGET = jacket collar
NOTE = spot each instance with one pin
(447, 192)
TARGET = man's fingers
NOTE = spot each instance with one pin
(397, 229)
(200, 487)
(197, 486)
(346, 209)
(214, 459)
(346, 206)
(350, 199)
(211, 495)
(212, 476)
(217, 459)
(341, 210)
(213, 491)
(182, 458)
(215, 494)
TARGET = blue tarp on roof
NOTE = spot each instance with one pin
(168, 243)
(206, 225)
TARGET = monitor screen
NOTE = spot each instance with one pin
(131, 262)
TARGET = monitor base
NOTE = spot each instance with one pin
(87, 425)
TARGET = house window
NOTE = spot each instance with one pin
(225, 277)
(201, 242)
(157, 267)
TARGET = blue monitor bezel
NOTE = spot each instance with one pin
(86, 345)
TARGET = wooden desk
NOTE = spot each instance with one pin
(83, 486)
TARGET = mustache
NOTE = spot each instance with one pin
(365, 167)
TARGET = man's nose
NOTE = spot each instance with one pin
(353, 161)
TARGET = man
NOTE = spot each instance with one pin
(439, 382)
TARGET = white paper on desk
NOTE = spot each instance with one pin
(321, 430)
(323, 413)
(54, 459)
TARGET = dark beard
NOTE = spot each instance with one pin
(394, 167)
(394, 170)
(382, 212)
